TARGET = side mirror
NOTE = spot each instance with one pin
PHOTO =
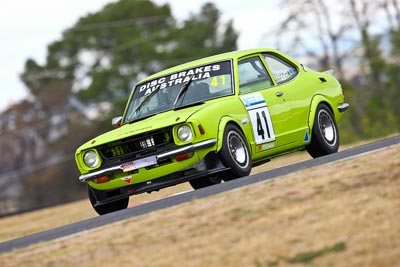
(116, 122)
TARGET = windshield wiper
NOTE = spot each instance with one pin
(143, 101)
(191, 104)
(183, 90)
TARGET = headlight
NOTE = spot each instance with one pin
(91, 159)
(185, 133)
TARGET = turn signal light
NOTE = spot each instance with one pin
(102, 179)
(201, 129)
(183, 157)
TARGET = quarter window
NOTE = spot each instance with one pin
(281, 70)
(252, 75)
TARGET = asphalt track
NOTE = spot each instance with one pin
(76, 228)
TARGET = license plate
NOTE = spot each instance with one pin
(140, 163)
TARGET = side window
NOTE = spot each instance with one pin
(252, 75)
(281, 70)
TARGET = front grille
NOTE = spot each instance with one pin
(136, 146)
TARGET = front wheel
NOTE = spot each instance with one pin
(235, 153)
(325, 134)
(204, 182)
(109, 207)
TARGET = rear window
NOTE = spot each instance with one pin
(281, 70)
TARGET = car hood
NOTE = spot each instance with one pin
(155, 122)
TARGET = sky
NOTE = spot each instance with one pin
(28, 27)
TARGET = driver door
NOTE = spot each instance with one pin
(268, 108)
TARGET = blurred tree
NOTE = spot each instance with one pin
(99, 57)
(392, 12)
(352, 38)
(376, 112)
(105, 53)
(364, 12)
(311, 26)
(205, 32)
(87, 77)
(391, 85)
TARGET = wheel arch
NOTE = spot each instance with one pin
(224, 121)
(315, 102)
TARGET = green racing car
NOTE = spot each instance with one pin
(211, 120)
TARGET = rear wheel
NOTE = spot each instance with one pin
(325, 135)
(235, 153)
(109, 207)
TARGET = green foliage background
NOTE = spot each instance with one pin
(375, 99)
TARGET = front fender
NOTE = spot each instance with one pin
(246, 131)
(221, 129)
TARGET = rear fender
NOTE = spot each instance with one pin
(318, 99)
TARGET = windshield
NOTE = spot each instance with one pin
(199, 84)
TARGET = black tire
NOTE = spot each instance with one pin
(109, 207)
(235, 154)
(325, 134)
(204, 182)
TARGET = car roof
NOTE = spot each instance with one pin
(203, 61)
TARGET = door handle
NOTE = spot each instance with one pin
(279, 94)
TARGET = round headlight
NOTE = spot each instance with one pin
(185, 133)
(91, 159)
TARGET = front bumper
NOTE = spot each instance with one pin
(161, 156)
(208, 166)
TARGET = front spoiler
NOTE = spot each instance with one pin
(210, 165)
(165, 155)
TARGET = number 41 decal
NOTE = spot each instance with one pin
(262, 125)
(260, 118)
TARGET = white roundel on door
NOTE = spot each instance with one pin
(260, 118)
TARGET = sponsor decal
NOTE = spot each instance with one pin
(127, 179)
(284, 74)
(198, 73)
(128, 167)
(260, 118)
(140, 163)
(136, 130)
(266, 146)
(253, 100)
(306, 137)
